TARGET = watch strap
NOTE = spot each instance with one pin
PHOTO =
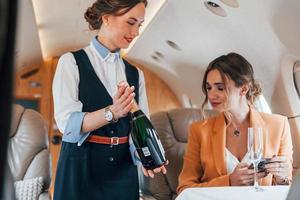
(113, 120)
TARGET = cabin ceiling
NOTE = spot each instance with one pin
(262, 31)
(28, 49)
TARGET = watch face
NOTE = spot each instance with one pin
(108, 115)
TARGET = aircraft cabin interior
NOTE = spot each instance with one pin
(175, 43)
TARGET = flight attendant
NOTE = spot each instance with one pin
(93, 91)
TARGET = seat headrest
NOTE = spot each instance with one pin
(177, 121)
(30, 124)
(17, 113)
(28, 141)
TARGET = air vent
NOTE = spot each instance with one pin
(215, 8)
(212, 4)
(155, 58)
(173, 45)
(158, 54)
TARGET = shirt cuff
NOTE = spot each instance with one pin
(73, 132)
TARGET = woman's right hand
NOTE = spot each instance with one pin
(242, 175)
(123, 100)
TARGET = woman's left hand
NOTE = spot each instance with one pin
(280, 167)
(155, 171)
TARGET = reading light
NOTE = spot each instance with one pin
(158, 54)
(215, 8)
(173, 45)
(155, 58)
(212, 4)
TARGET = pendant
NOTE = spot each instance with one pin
(236, 133)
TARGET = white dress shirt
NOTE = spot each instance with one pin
(232, 161)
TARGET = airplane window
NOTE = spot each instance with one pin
(297, 76)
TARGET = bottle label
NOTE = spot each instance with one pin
(146, 151)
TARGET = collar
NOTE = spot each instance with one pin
(219, 137)
(255, 118)
(103, 51)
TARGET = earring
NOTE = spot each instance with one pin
(243, 91)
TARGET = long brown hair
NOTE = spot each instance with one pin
(236, 68)
(112, 7)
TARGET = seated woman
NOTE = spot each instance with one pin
(216, 153)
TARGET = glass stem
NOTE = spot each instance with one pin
(255, 164)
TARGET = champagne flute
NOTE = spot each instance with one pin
(255, 149)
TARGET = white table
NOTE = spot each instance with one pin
(235, 193)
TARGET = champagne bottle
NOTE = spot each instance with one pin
(146, 140)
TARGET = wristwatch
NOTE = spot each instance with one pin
(109, 115)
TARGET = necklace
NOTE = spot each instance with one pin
(236, 132)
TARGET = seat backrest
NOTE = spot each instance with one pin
(172, 127)
(28, 152)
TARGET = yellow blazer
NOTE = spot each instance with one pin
(204, 161)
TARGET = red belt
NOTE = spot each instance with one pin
(107, 140)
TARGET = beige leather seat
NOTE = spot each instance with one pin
(172, 128)
(28, 153)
